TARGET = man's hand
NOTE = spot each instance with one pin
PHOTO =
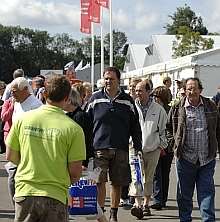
(139, 153)
(75, 170)
(162, 152)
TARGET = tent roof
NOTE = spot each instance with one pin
(164, 44)
(138, 54)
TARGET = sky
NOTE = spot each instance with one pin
(139, 19)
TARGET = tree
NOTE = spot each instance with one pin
(119, 41)
(27, 49)
(7, 64)
(188, 29)
(189, 42)
(86, 45)
(33, 50)
(184, 16)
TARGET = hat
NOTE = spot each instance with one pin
(178, 81)
(69, 66)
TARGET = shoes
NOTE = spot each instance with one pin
(146, 211)
(125, 203)
(156, 206)
(137, 212)
(113, 216)
(121, 202)
(132, 200)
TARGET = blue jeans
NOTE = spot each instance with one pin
(190, 175)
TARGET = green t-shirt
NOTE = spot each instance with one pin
(47, 140)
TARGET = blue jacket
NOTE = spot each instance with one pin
(114, 121)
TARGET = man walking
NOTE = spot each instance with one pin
(153, 119)
(115, 119)
(194, 123)
(48, 155)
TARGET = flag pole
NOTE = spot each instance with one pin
(92, 56)
(102, 44)
(110, 33)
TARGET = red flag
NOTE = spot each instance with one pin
(85, 21)
(103, 3)
(94, 11)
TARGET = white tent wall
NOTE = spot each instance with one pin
(210, 78)
(205, 65)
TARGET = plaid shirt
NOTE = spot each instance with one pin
(144, 108)
(196, 140)
(176, 127)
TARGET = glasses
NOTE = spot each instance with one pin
(133, 86)
(192, 90)
(109, 79)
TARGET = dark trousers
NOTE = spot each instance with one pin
(124, 192)
(161, 179)
(125, 189)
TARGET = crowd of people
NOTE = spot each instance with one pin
(54, 126)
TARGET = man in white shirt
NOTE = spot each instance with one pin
(153, 119)
(24, 101)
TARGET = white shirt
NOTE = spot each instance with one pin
(7, 92)
(30, 103)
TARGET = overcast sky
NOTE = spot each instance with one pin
(139, 19)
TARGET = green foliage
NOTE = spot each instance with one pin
(184, 16)
(119, 41)
(7, 63)
(188, 29)
(34, 50)
(86, 44)
(119, 61)
(189, 42)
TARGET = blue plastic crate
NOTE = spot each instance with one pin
(83, 198)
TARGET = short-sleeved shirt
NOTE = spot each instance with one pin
(47, 141)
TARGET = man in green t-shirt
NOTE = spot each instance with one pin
(48, 148)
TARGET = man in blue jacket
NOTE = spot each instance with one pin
(115, 119)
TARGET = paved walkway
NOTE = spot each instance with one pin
(169, 214)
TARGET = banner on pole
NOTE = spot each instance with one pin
(103, 3)
(94, 11)
(85, 17)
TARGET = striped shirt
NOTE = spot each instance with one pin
(196, 141)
